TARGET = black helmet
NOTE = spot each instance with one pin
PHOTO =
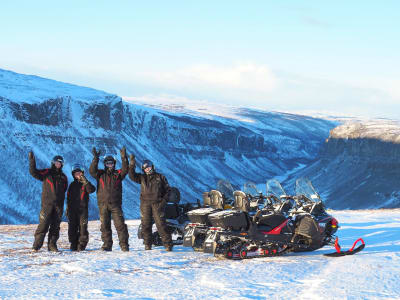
(58, 158)
(109, 158)
(76, 168)
(147, 163)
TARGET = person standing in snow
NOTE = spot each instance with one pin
(154, 189)
(54, 186)
(109, 198)
(77, 209)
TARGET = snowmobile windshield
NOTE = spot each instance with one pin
(250, 188)
(225, 187)
(275, 188)
(304, 187)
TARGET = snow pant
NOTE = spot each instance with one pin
(49, 220)
(156, 211)
(77, 228)
(115, 212)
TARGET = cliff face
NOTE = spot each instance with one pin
(192, 150)
(359, 166)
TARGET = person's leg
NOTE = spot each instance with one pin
(105, 228)
(83, 231)
(146, 221)
(41, 230)
(159, 218)
(73, 229)
(120, 226)
(54, 230)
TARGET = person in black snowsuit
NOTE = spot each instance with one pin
(54, 186)
(77, 209)
(109, 198)
(154, 189)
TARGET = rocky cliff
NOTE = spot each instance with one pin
(359, 166)
(193, 150)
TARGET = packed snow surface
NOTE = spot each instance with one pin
(373, 273)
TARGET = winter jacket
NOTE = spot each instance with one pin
(153, 187)
(109, 182)
(54, 186)
(78, 195)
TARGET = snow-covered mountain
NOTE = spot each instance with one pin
(193, 150)
(358, 166)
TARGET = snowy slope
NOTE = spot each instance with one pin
(193, 150)
(183, 274)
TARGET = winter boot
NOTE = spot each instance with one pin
(36, 247)
(106, 248)
(73, 247)
(147, 247)
(125, 248)
(81, 247)
(52, 247)
(168, 247)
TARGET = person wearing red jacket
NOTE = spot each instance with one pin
(109, 198)
(77, 209)
(54, 186)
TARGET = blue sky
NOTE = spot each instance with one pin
(327, 56)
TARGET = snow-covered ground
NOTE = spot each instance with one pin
(183, 274)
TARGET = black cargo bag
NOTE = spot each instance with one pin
(200, 215)
(229, 219)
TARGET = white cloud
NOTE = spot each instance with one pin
(242, 77)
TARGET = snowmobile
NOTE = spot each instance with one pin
(176, 218)
(286, 224)
(213, 201)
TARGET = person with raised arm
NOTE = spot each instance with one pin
(109, 198)
(54, 186)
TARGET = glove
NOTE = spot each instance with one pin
(95, 153)
(132, 160)
(31, 156)
(83, 180)
(123, 152)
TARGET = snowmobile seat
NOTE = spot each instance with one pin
(217, 201)
(240, 201)
(174, 196)
(200, 215)
(206, 199)
(271, 220)
(229, 219)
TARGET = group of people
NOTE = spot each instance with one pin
(154, 190)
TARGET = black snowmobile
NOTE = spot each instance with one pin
(283, 225)
(176, 218)
(213, 201)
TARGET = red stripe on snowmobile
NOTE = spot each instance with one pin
(51, 185)
(276, 230)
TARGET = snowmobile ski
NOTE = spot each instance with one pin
(351, 251)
